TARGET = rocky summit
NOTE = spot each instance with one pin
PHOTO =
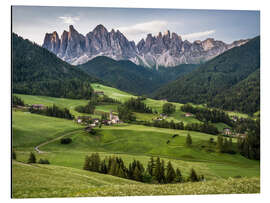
(165, 50)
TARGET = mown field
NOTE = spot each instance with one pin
(39, 181)
(125, 140)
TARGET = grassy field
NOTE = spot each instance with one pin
(30, 130)
(57, 181)
(129, 141)
(125, 140)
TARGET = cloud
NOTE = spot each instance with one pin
(141, 29)
(197, 35)
(69, 19)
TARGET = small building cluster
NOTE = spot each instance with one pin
(38, 106)
(93, 122)
(161, 117)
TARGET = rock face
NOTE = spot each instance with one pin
(162, 50)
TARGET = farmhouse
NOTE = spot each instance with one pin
(163, 115)
(83, 119)
(113, 118)
(227, 131)
(38, 106)
(188, 114)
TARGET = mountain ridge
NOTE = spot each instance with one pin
(211, 81)
(165, 50)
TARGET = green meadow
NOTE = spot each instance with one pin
(125, 140)
(39, 181)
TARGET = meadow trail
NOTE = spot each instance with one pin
(53, 140)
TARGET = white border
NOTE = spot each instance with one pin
(190, 4)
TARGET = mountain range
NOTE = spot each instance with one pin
(166, 50)
(230, 81)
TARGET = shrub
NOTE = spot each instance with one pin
(188, 140)
(193, 176)
(66, 140)
(32, 158)
(43, 161)
(168, 108)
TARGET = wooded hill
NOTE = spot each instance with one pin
(37, 71)
(127, 76)
(222, 82)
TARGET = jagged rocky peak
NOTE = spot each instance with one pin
(167, 49)
(100, 29)
(52, 42)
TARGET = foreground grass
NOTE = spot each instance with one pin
(38, 181)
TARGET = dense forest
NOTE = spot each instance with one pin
(243, 97)
(229, 74)
(127, 76)
(157, 170)
(37, 71)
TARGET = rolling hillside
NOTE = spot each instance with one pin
(51, 181)
(211, 80)
(127, 76)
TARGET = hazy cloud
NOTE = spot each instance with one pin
(69, 19)
(197, 35)
(142, 29)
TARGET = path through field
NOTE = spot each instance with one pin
(53, 140)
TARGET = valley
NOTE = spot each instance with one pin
(129, 141)
(99, 115)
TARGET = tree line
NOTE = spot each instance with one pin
(17, 101)
(199, 127)
(249, 146)
(208, 115)
(53, 111)
(136, 104)
(157, 170)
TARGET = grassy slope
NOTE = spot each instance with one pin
(51, 181)
(32, 129)
(131, 141)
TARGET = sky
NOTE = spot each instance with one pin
(32, 22)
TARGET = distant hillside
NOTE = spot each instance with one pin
(37, 71)
(211, 80)
(130, 77)
(243, 97)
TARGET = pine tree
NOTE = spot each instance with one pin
(188, 140)
(157, 169)
(170, 175)
(151, 166)
(87, 163)
(103, 167)
(137, 175)
(162, 172)
(193, 176)
(32, 158)
(178, 177)
(220, 145)
(113, 168)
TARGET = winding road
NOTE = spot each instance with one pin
(53, 140)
